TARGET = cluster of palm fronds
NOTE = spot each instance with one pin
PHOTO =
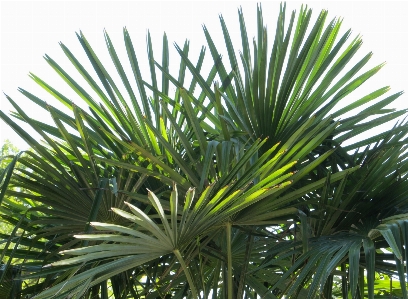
(236, 186)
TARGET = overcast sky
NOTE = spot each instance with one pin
(31, 29)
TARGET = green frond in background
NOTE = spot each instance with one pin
(244, 183)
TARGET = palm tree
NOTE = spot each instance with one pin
(240, 185)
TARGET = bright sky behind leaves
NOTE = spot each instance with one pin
(31, 29)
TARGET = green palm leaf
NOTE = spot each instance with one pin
(243, 183)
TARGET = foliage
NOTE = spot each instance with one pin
(8, 150)
(243, 183)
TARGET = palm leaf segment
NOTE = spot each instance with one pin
(257, 149)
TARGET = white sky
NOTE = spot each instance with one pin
(31, 29)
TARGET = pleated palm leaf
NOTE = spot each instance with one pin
(195, 194)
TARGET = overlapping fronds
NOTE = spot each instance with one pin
(244, 183)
